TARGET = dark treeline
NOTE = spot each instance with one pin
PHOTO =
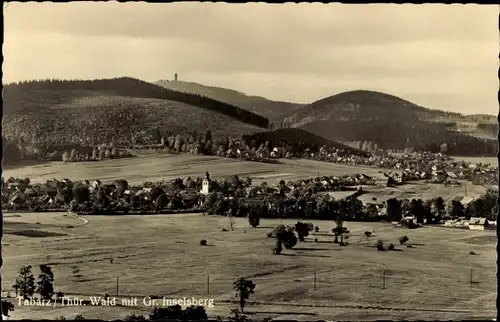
(16, 94)
(391, 133)
(298, 140)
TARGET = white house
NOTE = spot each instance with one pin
(466, 200)
(478, 223)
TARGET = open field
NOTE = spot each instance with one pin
(491, 160)
(155, 166)
(161, 255)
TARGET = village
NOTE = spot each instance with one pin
(333, 197)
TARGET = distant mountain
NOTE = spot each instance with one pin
(112, 110)
(272, 110)
(392, 123)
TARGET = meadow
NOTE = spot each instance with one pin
(161, 255)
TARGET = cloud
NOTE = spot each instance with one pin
(298, 52)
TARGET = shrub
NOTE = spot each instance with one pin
(288, 238)
(276, 231)
(253, 219)
(391, 247)
(195, 313)
(316, 229)
(203, 242)
(134, 317)
(380, 245)
(403, 239)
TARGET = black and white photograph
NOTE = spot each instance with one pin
(209, 161)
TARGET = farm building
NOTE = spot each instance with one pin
(478, 223)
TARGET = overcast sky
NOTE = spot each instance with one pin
(438, 56)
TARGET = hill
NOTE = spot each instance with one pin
(31, 96)
(273, 110)
(297, 138)
(391, 122)
(55, 115)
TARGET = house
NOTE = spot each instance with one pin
(451, 174)
(410, 218)
(478, 223)
(465, 201)
(96, 183)
(17, 200)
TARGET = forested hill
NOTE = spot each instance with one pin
(38, 96)
(273, 110)
(392, 123)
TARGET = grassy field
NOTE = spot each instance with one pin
(161, 255)
(156, 166)
(491, 160)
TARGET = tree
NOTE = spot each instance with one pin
(161, 202)
(339, 231)
(417, 209)
(253, 219)
(7, 307)
(287, 237)
(244, 288)
(208, 135)
(368, 234)
(26, 282)
(95, 153)
(81, 193)
(156, 192)
(121, 186)
(178, 143)
(46, 282)
(443, 148)
(380, 245)
(302, 230)
(394, 209)
(66, 157)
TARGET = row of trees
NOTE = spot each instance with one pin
(26, 287)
